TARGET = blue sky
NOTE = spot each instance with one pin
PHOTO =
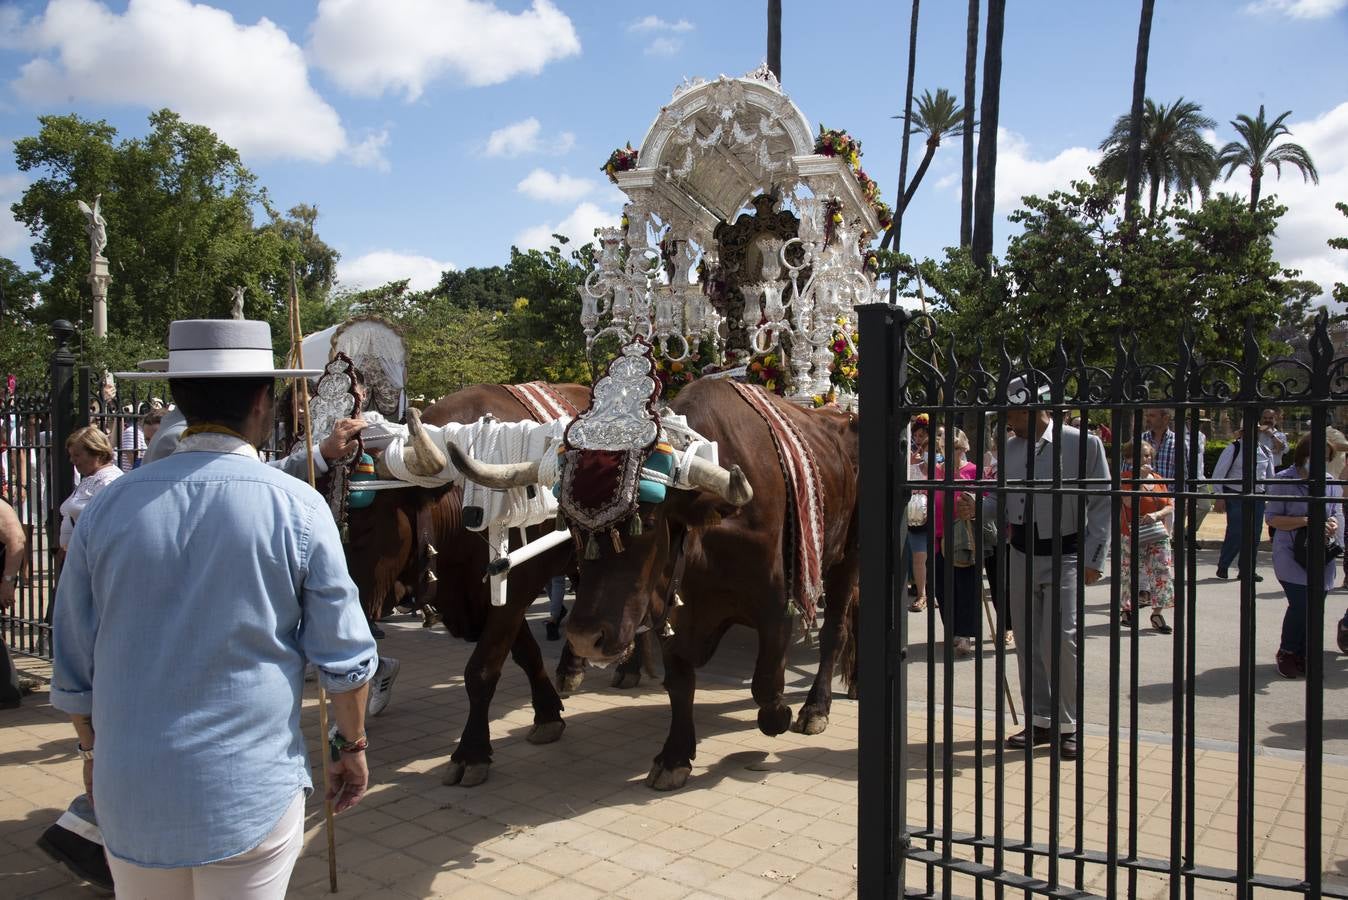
(439, 132)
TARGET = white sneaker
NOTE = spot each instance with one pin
(381, 686)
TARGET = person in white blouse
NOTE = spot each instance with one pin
(91, 453)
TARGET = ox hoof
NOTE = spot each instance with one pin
(774, 720)
(662, 779)
(465, 774)
(569, 684)
(852, 692)
(811, 723)
(546, 732)
(626, 680)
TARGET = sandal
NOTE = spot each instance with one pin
(1126, 618)
(918, 604)
(1158, 622)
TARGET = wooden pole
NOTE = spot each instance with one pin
(300, 407)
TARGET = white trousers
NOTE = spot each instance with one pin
(262, 873)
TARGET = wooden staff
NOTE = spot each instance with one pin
(299, 406)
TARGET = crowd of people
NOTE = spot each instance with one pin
(1013, 558)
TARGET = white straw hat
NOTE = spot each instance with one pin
(217, 348)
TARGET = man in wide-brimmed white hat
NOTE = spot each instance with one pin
(186, 695)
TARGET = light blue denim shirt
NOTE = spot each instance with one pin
(193, 593)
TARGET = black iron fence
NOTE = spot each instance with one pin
(1112, 791)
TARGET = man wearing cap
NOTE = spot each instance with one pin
(1030, 453)
(194, 758)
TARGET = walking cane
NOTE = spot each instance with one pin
(992, 626)
(299, 406)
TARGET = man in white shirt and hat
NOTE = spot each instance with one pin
(1030, 452)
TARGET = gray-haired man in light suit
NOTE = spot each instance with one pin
(1033, 440)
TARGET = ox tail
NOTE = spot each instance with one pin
(846, 655)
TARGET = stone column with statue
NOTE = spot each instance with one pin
(99, 276)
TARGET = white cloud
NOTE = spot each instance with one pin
(544, 185)
(248, 83)
(382, 266)
(372, 47)
(664, 46)
(14, 235)
(655, 23)
(579, 227)
(526, 137)
(1297, 9)
(369, 152)
(1019, 173)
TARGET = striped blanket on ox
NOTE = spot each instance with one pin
(805, 502)
(542, 401)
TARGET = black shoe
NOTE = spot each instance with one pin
(1125, 618)
(375, 631)
(1068, 747)
(554, 631)
(81, 856)
(1343, 635)
(562, 617)
(1041, 736)
(1223, 574)
(1258, 577)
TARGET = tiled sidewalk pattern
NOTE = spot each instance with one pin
(760, 817)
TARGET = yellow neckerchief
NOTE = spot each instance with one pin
(210, 428)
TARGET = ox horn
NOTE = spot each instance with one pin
(728, 484)
(493, 475)
(420, 455)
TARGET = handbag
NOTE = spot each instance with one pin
(917, 510)
(1151, 532)
(962, 544)
(1301, 551)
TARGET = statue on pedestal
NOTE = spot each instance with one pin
(236, 309)
(97, 227)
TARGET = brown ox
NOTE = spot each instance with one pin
(384, 548)
(735, 569)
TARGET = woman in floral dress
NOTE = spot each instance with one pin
(1155, 559)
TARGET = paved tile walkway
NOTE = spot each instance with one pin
(760, 817)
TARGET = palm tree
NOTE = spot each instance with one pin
(967, 161)
(1256, 151)
(895, 229)
(1134, 183)
(985, 189)
(775, 38)
(1175, 154)
(936, 117)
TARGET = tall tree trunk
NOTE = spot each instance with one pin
(1256, 179)
(775, 38)
(932, 144)
(1134, 184)
(1155, 194)
(895, 229)
(967, 164)
(985, 189)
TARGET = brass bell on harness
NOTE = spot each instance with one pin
(431, 551)
(430, 577)
(667, 631)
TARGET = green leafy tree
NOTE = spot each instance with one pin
(24, 343)
(179, 205)
(543, 325)
(1340, 243)
(1175, 155)
(1259, 147)
(1076, 272)
(478, 288)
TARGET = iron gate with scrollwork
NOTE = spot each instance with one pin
(1175, 764)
